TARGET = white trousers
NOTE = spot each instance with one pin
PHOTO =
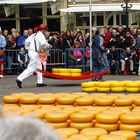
(33, 66)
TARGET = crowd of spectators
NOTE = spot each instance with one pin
(123, 46)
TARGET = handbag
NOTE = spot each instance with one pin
(2, 52)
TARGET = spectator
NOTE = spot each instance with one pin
(76, 55)
(82, 41)
(22, 59)
(114, 58)
(2, 49)
(30, 32)
(107, 37)
(5, 34)
(121, 32)
(43, 58)
(128, 40)
(13, 30)
(127, 58)
(115, 40)
(19, 128)
(21, 39)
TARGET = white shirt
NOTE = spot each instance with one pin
(40, 40)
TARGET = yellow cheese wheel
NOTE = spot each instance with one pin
(10, 99)
(89, 84)
(83, 137)
(33, 107)
(11, 113)
(64, 70)
(104, 84)
(137, 102)
(28, 100)
(112, 137)
(94, 131)
(104, 101)
(98, 94)
(56, 117)
(81, 117)
(117, 84)
(130, 127)
(108, 127)
(67, 131)
(117, 89)
(132, 85)
(130, 118)
(123, 101)
(80, 126)
(126, 82)
(46, 100)
(65, 74)
(55, 70)
(103, 89)
(84, 101)
(90, 89)
(107, 118)
(75, 74)
(65, 100)
(129, 134)
(27, 94)
(132, 89)
(45, 94)
(75, 70)
(59, 125)
(39, 114)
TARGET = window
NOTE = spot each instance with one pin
(79, 20)
(110, 22)
(100, 20)
(123, 19)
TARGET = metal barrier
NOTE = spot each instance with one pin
(55, 59)
(71, 61)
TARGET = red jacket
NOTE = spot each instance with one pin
(107, 37)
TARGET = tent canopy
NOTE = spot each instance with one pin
(99, 8)
(23, 1)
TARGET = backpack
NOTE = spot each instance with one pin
(28, 41)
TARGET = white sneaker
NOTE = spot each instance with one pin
(1, 76)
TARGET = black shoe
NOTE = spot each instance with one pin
(19, 83)
(41, 85)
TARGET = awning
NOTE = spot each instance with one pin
(99, 8)
(23, 1)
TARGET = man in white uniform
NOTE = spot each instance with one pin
(38, 41)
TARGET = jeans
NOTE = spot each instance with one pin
(98, 66)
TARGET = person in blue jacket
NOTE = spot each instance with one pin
(21, 40)
(99, 62)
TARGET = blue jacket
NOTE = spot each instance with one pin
(97, 47)
(21, 41)
(2, 42)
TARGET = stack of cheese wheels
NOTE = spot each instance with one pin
(83, 137)
(67, 132)
(108, 121)
(57, 119)
(117, 87)
(130, 121)
(81, 120)
(132, 86)
(10, 99)
(67, 71)
(104, 101)
(94, 131)
(112, 137)
(103, 87)
(89, 86)
(129, 134)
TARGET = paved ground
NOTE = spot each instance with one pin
(8, 85)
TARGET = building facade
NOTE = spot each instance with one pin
(28, 16)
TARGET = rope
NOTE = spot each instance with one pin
(82, 77)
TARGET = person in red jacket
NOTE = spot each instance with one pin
(107, 37)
